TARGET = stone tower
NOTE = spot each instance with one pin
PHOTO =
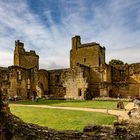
(89, 54)
(92, 56)
(25, 59)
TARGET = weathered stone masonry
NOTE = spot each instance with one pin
(25, 59)
(69, 83)
(88, 76)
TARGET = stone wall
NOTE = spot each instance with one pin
(76, 82)
(126, 80)
(56, 79)
(22, 82)
(105, 80)
(43, 81)
(18, 81)
(4, 79)
(69, 83)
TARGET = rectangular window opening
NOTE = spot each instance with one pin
(79, 92)
(84, 59)
(19, 75)
(28, 84)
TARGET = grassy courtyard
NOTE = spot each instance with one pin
(61, 119)
(74, 103)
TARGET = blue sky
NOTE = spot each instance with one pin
(47, 27)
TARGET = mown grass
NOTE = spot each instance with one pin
(74, 103)
(61, 119)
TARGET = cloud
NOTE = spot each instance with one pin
(47, 27)
(27, 27)
(125, 54)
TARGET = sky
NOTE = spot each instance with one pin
(47, 27)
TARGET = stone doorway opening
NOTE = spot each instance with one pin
(28, 95)
(40, 89)
(110, 93)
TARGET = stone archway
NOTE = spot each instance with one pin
(40, 89)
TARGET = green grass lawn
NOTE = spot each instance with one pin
(61, 119)
(74, 103)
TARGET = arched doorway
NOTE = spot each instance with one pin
(40, 89)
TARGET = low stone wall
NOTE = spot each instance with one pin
(13, 128)
(112, 99)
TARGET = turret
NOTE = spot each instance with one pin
(76, 41)
(19, 47)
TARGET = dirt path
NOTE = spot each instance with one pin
(122, 114)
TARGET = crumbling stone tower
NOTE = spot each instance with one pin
(25, 59)
(91, 55)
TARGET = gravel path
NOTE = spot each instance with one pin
(122, 114)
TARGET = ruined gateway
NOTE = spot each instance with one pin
(88, 76)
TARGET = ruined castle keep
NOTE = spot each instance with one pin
(88, 76)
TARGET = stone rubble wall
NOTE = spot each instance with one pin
(69, 83)
(56, 78)
(76, 82)
(126, 80)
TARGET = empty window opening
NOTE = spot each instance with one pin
(19, 75)
(28, 95)
(84, 59)
(28, 84)
(79, 92)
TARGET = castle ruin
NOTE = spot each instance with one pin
(88, 76)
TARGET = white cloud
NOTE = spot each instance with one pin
(125, 54)
(114, 24)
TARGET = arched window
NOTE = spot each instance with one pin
(28, 84)
(19, 75)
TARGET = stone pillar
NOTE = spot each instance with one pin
(4, 111)
(4, 104)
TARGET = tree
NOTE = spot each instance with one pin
(116, 62)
